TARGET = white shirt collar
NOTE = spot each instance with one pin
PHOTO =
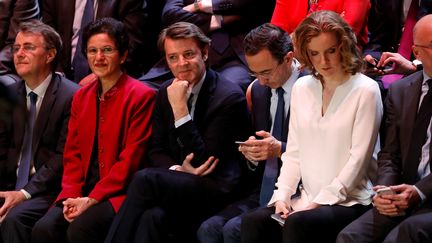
(41, 89)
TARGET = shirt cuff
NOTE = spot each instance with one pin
(174, 167)
(26, 194)
(422, 195)
(182, 120)
(216, 22)
(252, 165)
(207, 6)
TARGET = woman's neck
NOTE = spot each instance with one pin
(108, 83)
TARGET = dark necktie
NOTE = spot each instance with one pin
(24, 164)
(79, 62)
(271, 167)
(189, 102)
(418, 137)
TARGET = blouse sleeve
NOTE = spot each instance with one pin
(289, 176)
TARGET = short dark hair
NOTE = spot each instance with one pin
(183, 30)
(51, 37)
(112, 27)
(328, 22)
(269, 36)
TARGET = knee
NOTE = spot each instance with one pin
(10, 222)
(231, 230)
(41, 231)
(76, 232)
(294, 222)
(211, 230)
(346, 236)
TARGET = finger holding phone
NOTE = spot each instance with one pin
(261, 149)
(392, 62)
(406, 196)
(372, 69)
(383, 201)
(283, 208)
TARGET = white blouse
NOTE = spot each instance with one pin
(334, 155)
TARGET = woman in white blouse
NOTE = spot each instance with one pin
(332, 142)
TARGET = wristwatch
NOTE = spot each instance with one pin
(418, 64)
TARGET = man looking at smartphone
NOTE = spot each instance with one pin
(270, 57)
(404, 162)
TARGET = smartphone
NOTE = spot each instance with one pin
(240, 142)
(385, 191)
(278, 218)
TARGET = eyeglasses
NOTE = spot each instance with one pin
(268, 74)
(26, 48)
(106, 50)
(424, 46)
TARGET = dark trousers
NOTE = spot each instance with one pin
(18, 224)
(224, 227)
(374, 227)
(91, 226)
(257, 226)
(317, 225)
(417, 228)
(163, 205)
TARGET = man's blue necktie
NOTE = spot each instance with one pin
(271, 167)
(26, 155)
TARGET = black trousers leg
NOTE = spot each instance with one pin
(321, 224)
(180, 195)
(51, 227)
(18, 224)
(257, 226)
(91, 226)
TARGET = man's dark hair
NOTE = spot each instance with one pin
(268, 36)
(183, 30)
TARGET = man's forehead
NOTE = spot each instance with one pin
(29, 36)
(181, 43)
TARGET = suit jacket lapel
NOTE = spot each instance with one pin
(45, 110)
(20, 116)
(412, 95)
(204, 96)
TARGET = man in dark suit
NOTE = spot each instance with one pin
(31, 172)
(197, 118)
(387, 20)
(404, 162)
(269, 53)
(226, 22)
(140, 18)
(12, 13)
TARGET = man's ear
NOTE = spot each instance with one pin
(51, 55)
(289, 57)
(205, 53)
(416, 52)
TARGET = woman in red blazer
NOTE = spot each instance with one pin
(289, 13)
(109, 128)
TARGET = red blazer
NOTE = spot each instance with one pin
(289, 13)
(123, 134)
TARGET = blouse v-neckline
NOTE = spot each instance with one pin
(335, 97)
